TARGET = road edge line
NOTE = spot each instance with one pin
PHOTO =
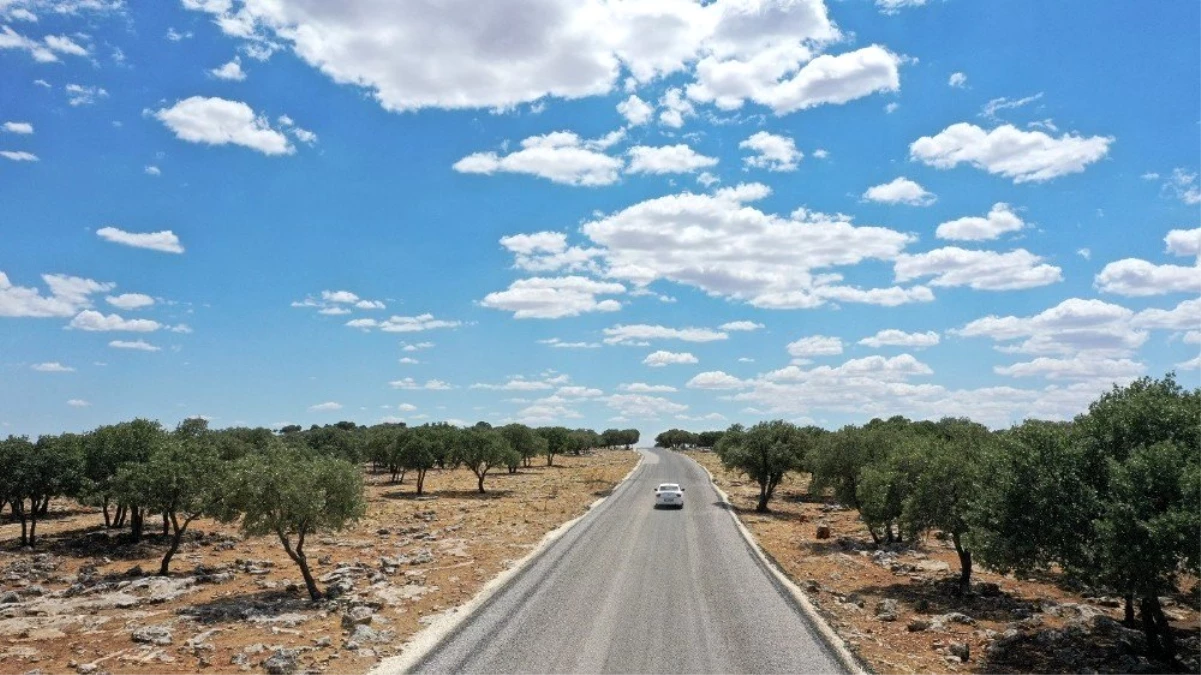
(832, 639)
(424, 641)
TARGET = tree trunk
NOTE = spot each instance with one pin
(761, 507)
(297, 557)
(119, 518)
(166, 525)
(107, 520)
(137, 521)
(420, 481)
(965, 564)
(1160, 643)
(550, 459)
(35, 508)
(18, 508)
(175, 540)
(1130, 609)
(481, 481)
(44, 510)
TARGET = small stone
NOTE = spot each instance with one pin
(886, 610)
(9, 598)
(918, 625)
(960, 650)
(823, 531)
(356, 616)
(282, 662)
(812, 586)
(155, 635)
(324, 641)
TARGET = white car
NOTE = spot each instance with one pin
(669, 494)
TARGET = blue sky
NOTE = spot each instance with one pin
(593, 213)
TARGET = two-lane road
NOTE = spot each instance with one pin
(632, 589)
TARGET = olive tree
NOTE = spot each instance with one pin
(557, 442)
(525, 441)
(764, 453)
(292, 493)
(183, 479)
(481, 451)
(36, 473)
(415, 452)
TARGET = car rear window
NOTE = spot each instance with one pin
(669, 487)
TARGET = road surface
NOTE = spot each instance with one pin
(632, 589)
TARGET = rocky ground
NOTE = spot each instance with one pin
(83, 601)
(898, 610)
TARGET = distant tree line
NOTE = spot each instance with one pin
(1112, 498)
(289, 484)
(679, 438)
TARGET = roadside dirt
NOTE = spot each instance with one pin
(897, 609)
(83, 601)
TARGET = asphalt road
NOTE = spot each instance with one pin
(633, 589)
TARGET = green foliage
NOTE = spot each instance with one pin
(416, 451)
(675, 438)
(525, 441)
(292, 494)
(764, 453)
(557, 442)
(709, 439)
(481, 451)
(35, 473)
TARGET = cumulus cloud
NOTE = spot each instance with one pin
(667, 159)
(1075, 326)
(644, 388)
(741, 326)
(1184, 316)
(643, 406)
(404, 324)
(665, 358)
(720, 244)
(900, 191)
(18, 127)
(549, 252)
(52, 367)
(68, 295)
(218, 121)
(772, 152)
(129, 301)
(561, 344)
(1000, 219)
(230, 71)
(898, 338)
(554, 297)
(91, 320)
(136, 345)
(636, 111)
(165, 241)
(895, 6)
(78, 94)
(981, 270)
(1134, 277)
(78, 403)
(816, 345)
(19, 155)
(1076, 368)
(1184, 242)
(1024, 156)
(561, 157)
(715, 379)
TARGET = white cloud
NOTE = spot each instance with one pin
(404, 324)
(328, 406)
(549, 252)
(18, 127)
(1024, 156)
(523, 384)
(715, 379)
(1185, 186)
(230, 71)
(990, 109)
(675, 108)
(636, 111)
(1134, 277)
(1000, 219)
(91, 320)
(416, 347)
(1184, 316)
(664, 358)
(67, 296)
(741, 326)
(639, 333)
(165, 241)
(41, 52)
(891, 107)
(406, 407)
(19, 155)
(1074, 368)
(728, 249)
(410, 383)
(78, 403)
(771, 78)
(553, 298)
(895, 6)
(643, 406)
(898, 338)
(821, 154)
(408, 361)
(772, 152)
(817, 345)
(1184, 242)
(138, 345)
(218, 121)
(957, 80)
(1074, 327)
(900, 191)
(176, 36)
(130, 300)
(560, 344)
(578, 392)
(667, 159)
(52, 367)
(561, 157)
(78, 94)
(1191, 364)
(981, 270)
(644, 388)
(153, 170)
